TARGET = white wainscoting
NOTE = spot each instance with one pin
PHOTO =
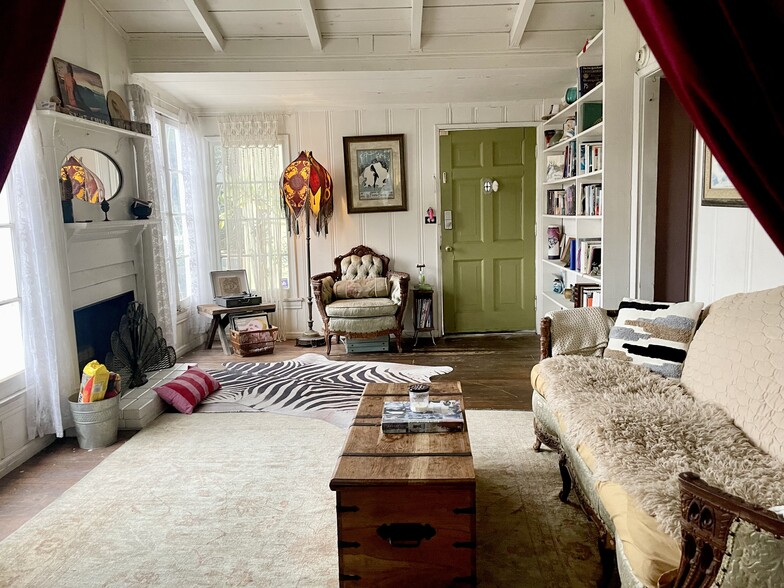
(14, 447)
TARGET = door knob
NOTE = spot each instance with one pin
(449, 248)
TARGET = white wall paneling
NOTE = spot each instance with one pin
(402, 236)
(731, 252)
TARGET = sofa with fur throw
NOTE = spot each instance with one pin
(679, 475)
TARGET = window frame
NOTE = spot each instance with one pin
(13, 383)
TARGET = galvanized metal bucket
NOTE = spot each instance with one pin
(96, 422)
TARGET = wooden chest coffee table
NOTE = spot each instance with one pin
(406, 504)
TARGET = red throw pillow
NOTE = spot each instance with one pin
(187, 390)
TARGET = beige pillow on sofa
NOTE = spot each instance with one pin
(362, 288)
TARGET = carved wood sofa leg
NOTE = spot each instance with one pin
(566, 478)
(610, 577)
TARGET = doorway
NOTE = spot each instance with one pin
(674, 186)
(488, 199)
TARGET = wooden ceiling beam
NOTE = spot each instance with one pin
(206, 23)
(311, 24)
(520, 22)
(417, 7)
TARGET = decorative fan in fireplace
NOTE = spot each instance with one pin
(138, 347)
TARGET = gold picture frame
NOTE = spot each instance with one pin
(717, 189)
(375, 173)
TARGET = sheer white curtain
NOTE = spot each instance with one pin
(200, 221)
(253, 231)
(164, 305)
(50, 351)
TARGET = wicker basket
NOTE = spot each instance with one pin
(247, 343)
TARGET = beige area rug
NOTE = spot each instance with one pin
(243, 500)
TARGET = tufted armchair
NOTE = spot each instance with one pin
(361, 298)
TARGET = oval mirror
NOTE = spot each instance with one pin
(89, 175)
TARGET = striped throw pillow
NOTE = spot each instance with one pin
(187, 390)
(654, 334)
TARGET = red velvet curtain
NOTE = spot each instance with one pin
(722, 59)
(29, 27)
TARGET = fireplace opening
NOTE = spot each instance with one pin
(94, 326)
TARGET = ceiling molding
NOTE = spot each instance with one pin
(311, 24)
(417, 8)
(206, 23)
(110, 19)
(520, 22)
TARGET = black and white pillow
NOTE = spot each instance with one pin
(654, 334)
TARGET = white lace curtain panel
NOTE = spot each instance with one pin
(151, 183)
(253, 227)
(47, 331)
(199, 218)
(249, 130)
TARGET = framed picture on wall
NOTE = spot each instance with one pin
(375, 173)
(717, 188)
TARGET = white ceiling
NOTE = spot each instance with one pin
(239, 55)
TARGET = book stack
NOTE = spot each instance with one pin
(590, 157)
(582, 255)
(587, 295)
(441, 417)
(562, 202)
(591, 200)
(570, 160)
(424, 313)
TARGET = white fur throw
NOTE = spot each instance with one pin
(645, 429)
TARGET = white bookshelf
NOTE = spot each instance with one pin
(581, 223)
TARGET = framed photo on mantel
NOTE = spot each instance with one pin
(375, 173)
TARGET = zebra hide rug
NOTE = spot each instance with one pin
(311, 386)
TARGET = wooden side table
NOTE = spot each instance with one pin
(220, 320)
(423, 314)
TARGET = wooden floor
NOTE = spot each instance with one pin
(494, 371)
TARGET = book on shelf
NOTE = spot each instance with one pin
(555, 170)
(590, 157)
(445, 416)
(570, 160)
(555, 202)
(424, 314)
(591, 114)
(589, 76)
(587, 250)
(573, 249)
(586, 294)
(566, 250)
(591, 200)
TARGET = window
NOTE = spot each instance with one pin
(251, 222)
(12, 347)
(176, 213)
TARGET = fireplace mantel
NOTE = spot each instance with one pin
(97, 230)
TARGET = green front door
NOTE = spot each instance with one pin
(488, 254)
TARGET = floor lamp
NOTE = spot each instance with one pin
(306, 186)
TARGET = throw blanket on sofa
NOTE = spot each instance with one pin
(579, 331)
(644, 430)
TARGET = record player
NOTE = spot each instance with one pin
(235, 301)
(230, 289)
